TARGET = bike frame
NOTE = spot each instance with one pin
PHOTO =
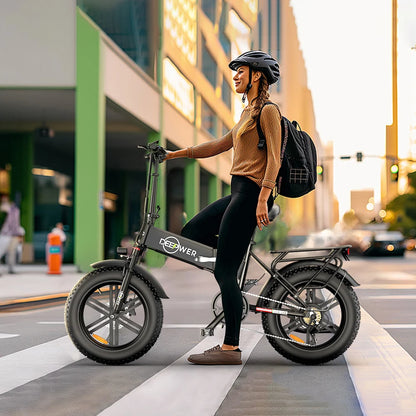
(203, 257)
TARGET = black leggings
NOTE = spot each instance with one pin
(233, 220)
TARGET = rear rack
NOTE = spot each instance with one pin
(324, 253)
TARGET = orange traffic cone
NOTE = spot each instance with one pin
(54, 254)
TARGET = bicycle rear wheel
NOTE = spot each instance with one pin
(330, 326)
(108, 338)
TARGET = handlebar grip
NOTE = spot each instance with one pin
(154, 149)
(160, 154)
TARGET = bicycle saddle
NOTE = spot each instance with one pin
(274, 212)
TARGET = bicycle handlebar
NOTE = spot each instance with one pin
(158, 152)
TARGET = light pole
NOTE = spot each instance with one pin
(389, 188)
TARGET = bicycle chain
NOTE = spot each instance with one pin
(274, 300)
(275, 336)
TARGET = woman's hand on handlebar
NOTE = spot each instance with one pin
(175, 154)
(168, 155)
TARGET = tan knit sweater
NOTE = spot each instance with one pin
(261, 166)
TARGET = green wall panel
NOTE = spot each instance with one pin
(89, 146)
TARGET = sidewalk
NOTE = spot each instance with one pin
(32, 284)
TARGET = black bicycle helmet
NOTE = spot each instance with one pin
(259, 61)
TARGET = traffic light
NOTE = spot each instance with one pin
(394, 172)
(320, 172)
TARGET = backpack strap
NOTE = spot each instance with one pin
(262, 139)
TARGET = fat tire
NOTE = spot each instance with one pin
(106, 354)
(351, 315)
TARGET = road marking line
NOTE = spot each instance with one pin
(391, 297)
(51, 323)
(383, 373)
(398, 326)
(394, 275)
(386, 286)
(184, 326)
(186, 389)
(4, 336)
(32, 363)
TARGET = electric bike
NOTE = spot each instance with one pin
(309, 311)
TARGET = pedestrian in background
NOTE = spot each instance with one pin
(59, 230)
(11, 232)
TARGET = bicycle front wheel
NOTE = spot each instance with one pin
(103, 336)
(328, 328)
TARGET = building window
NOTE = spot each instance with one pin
(180, 25)
(208, 118)
(260, 30)
(224, 39)
(209, 66)
(209, 8)
(178, 90)
(128, 23)
(240, 34)
(226, 93)
(252, 5)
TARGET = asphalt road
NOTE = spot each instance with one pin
(42, 374)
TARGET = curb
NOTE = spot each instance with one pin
(31, 302)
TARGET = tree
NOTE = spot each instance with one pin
(403, 208)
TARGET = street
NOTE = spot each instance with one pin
(43, 374)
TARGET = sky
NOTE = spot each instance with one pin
(346, 45)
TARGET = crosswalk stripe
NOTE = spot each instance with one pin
(3, 336)
(27, 365)
(399, 326)
(185, 389)
(383, 373)
(390, 297)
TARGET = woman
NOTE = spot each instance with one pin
(234, 217)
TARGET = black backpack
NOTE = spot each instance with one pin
(297, 174)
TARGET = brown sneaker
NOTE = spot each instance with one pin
(216, 356)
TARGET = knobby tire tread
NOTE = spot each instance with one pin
(131, 358)
(300, 360)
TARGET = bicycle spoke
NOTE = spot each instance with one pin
(130, 325)
(310, 338)
(98, 306)
(328, 324)
(103, 323)
(102, 319)
(114, 332)
(131, 306)
(292, 326)
(112, 294)
(330, 304)
(111, 334)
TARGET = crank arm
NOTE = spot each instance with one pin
(209, 329)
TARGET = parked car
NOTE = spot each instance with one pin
(386, 243)
(375, 242)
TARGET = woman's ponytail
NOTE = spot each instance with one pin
(261, 98)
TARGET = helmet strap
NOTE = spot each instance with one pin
(250, 74)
